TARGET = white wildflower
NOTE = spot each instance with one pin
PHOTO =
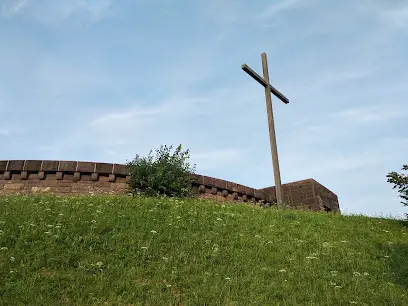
(153, 231)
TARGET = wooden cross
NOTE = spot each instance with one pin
(268, 90)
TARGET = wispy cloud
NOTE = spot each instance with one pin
(55, 10)
(12, 7)
(393, 13)
(369, 114)
(281, 6)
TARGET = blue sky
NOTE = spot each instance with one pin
(105, 80)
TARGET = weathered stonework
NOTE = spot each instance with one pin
(75, 177)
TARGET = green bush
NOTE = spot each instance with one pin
(400, 181)
(167, 174)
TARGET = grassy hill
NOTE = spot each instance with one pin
(105, 250)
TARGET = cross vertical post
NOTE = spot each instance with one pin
(272, 136)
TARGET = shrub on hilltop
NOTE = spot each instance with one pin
(400, 181)
(166, 173)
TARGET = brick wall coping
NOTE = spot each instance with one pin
(120, 170)
(299, 183)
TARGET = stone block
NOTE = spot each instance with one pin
(221, 184)
(120, 169)
(64, 183)
(67, 166)
(32, 165)
(201, 189)
(3, 165)
(7, 175)
(49, 183)
(85, 184)
(50, 165)
(104, 168)
(250, 192)
(24, 175)
(14, 186)
(15, 165)
(86, 167)
(64, 189)
(76, 177)
(241, 189)
(209, 181)
(40, 189)
(119, 186)
(94, 177)
(100, 184)
(231, 186)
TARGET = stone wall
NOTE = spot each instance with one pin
(308, 194)
(76, 177)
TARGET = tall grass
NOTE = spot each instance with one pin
(106, 250)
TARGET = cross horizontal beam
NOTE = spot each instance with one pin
(261, 81)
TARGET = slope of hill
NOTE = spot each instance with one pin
(120, 250)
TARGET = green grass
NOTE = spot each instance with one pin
(105, 250)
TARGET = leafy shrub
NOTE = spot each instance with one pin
(167, 174)
(400, 181)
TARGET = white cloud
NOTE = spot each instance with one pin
(50, 11)
(281, 6)
(12, 7)
(369, 114)
(393, 13)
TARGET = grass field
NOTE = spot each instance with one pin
(105, 250)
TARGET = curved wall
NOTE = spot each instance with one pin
(76, 177)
